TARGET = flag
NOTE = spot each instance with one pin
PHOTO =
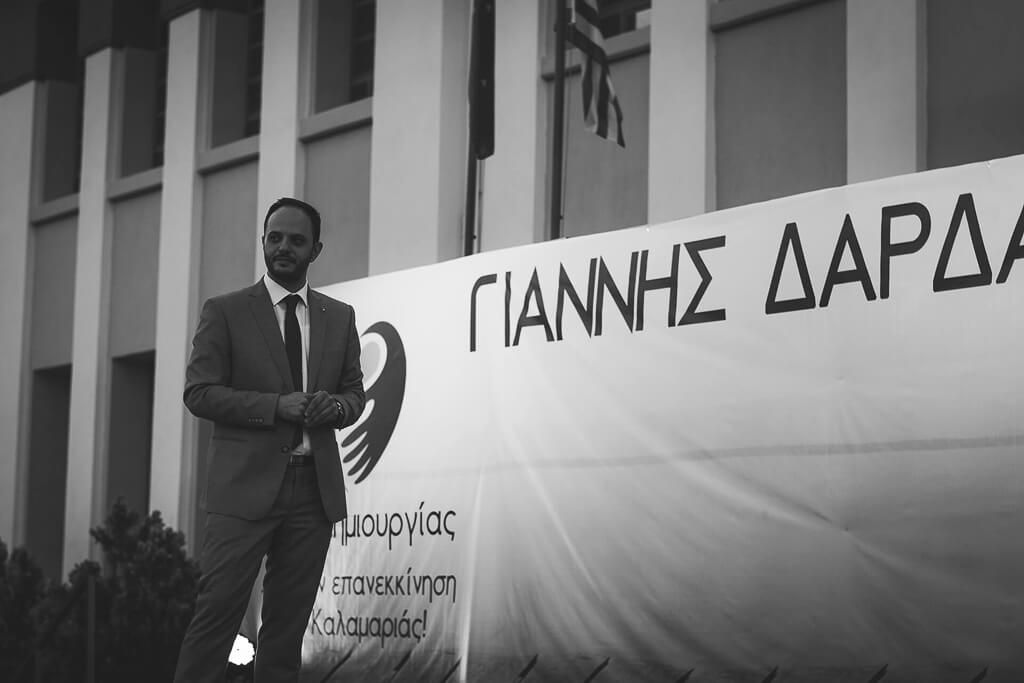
(601, 111)
(481, 88)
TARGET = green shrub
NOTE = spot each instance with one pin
(145, 595)
(21, 587)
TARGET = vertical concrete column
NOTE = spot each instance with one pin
(280, 167)
(90, 369)
(885, 88)
(417, 173)
(513, 178)
(679, 177)
(17, 120)
(173, 448)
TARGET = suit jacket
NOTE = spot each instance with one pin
(236, 372)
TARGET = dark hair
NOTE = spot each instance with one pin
(311, 213)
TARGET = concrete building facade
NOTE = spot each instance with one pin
(142, 140)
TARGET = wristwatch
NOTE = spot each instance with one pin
(341, 412)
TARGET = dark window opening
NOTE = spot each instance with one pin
(344, 52)
(62, 148)
(47, 467)
(363, 26)
(62, 72)
(131, 430)
(236, 91)
(254, 68)
(160, 111)
(144, 103)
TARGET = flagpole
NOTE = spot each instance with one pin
(469, 218)
(557, 124)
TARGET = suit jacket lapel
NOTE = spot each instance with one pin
(263, 311)
(317, 330)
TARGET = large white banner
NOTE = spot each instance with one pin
(783, 440)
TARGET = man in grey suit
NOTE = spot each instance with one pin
(275, 367)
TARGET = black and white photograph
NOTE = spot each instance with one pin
(511, 341)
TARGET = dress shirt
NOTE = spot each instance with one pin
(277, 296)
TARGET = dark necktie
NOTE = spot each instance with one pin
(293, 345)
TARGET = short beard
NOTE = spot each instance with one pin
(296, 277)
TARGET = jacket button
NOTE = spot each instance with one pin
(284, 449)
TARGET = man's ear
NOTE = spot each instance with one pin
(317, 248)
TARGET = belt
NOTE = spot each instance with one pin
(300, 460)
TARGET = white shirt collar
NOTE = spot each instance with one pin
(277, 292)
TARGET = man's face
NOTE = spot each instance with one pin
(288, 246)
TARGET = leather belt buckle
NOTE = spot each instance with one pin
(295, 460)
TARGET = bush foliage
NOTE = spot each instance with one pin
(22, 586)
(144, 598)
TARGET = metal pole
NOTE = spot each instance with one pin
(469, 218)
(557, 124)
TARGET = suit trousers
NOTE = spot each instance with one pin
(294, 537)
